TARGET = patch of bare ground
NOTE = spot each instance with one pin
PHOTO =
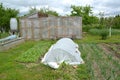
(30, 65)
(3, 75)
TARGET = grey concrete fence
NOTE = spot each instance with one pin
(51, 27)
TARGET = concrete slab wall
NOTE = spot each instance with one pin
(51, 28)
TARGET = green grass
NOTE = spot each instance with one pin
(12, 70)
(99, 31)
(3, 35)
(87, 38)
(99, 64)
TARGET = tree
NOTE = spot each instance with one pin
(101, 20)
(116, 22)
(77, 10)
(43, 11)
(48, 11)
(32, 10)
(85, 12)
(5, 15)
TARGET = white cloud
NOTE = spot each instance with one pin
(109, 7)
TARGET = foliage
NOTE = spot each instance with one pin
(116, 22)
(33, 54)
(113, 22)
(85, 13)
(88, 38)
(98, 63)
(99, 31)
(104, 34)
(5, 15)
(101, 20)
(115, 32)
(86, 28)
(3, 35)
(43, 11)
(32, 10)
(48, 11)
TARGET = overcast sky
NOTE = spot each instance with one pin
(109, 7)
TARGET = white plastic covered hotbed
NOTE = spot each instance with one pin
(64, 50)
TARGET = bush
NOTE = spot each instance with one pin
(86, 28)
(104, 34)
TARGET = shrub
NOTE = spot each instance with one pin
(104, 34)
(86, 28)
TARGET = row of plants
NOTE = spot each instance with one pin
(98, 63)
(85, 71)
(33, 54)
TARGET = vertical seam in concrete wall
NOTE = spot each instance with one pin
(40, 30)
(49, 28)
(80, 27)
(56, 32)
(32, 29)
(20, 26)
(26, 36)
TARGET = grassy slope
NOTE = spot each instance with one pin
(98, 64)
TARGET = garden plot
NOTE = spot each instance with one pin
(33, 54)
(101, 62)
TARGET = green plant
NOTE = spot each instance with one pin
(101, 32)
(115, 31)
(0, 35)
(86, 28)
(3, 35)
(95, 31)
(33, 54)
(99, 64)
(104, 34)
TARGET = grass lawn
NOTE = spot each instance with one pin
(3, 35)
(102, 61)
